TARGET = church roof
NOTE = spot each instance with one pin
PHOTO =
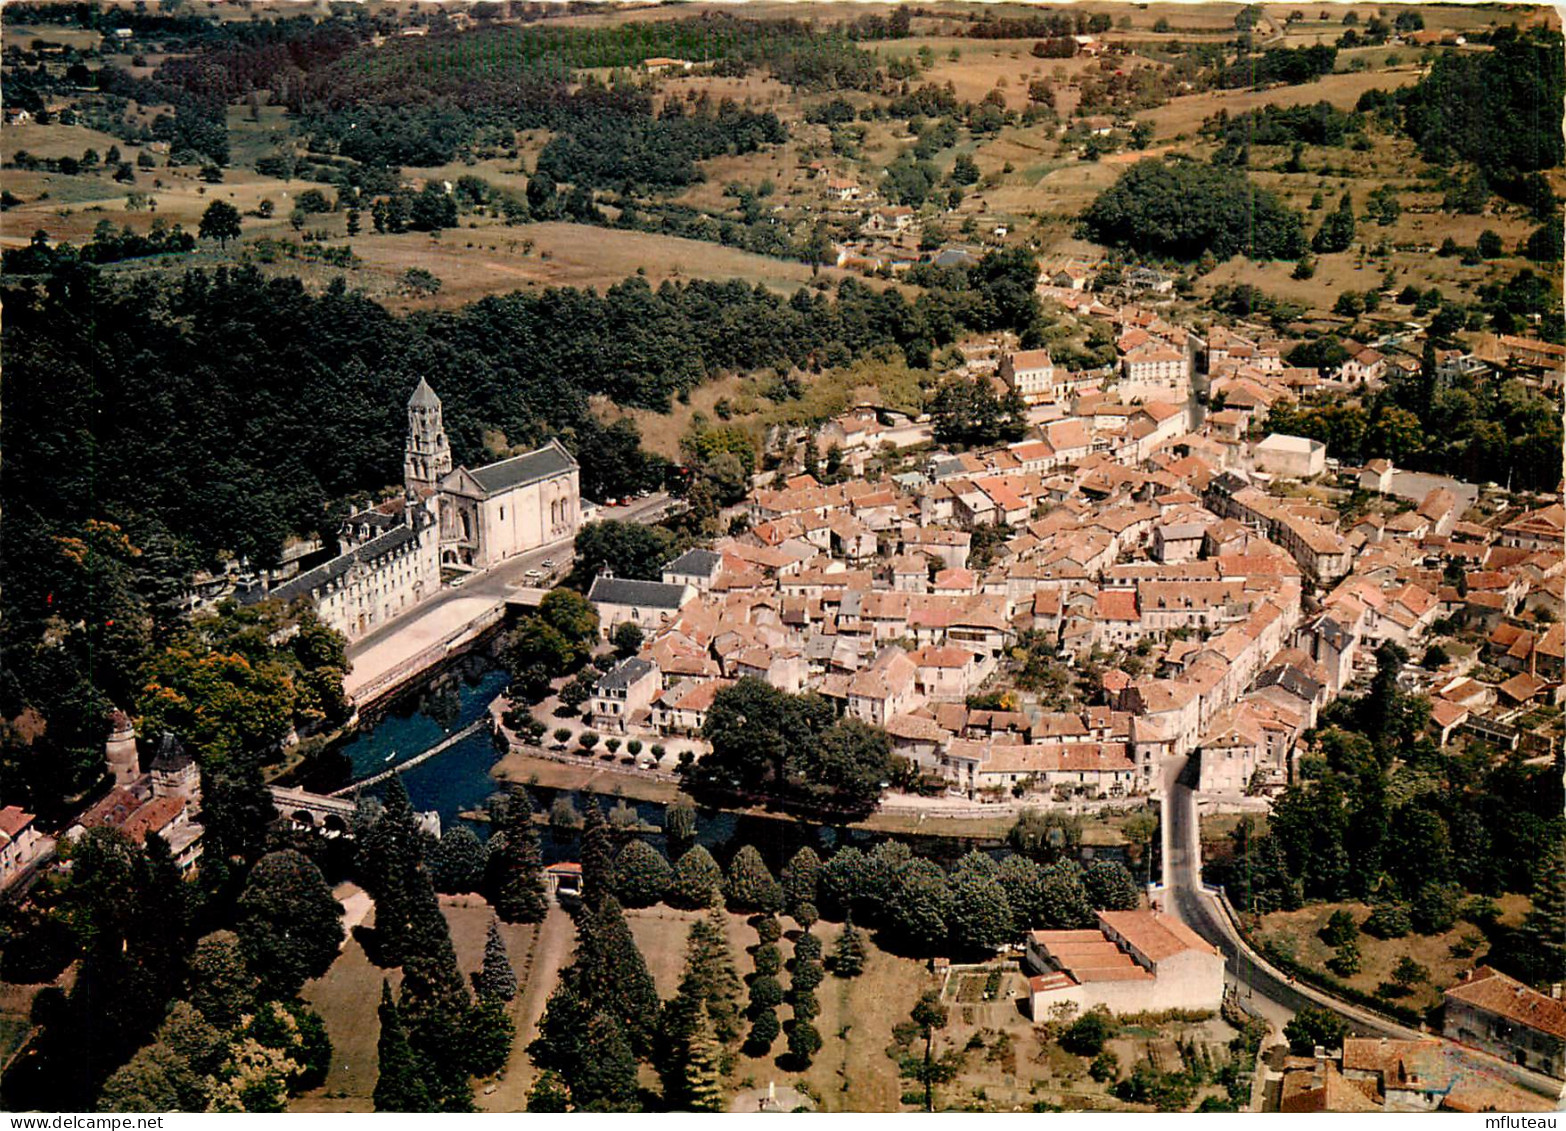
(530, 467)
(423, 396)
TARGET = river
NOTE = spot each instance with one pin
(458, 780)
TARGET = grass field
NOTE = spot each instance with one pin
(1379, 956)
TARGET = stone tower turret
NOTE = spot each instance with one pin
(428, 457)
(120, 750)
(175, 773)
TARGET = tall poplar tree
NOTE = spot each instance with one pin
(597, 855)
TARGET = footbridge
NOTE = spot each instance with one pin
(440, 747)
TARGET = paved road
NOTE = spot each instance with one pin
(1265, 992)
(1273, 998)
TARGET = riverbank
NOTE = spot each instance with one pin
(518, 767)
(521, 768)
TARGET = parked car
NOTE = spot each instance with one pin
(534, 575)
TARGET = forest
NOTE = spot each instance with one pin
(1183, 210)
(1288, 65)
(302, 412)
(1490, 108)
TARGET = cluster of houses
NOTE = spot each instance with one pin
(1487, 1011)
(865, 593)
(1116, 540)
(1127, 528)
(164, 800)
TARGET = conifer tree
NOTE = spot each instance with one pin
(848, 955)
(549, 1094)
(704, 1066)
(606, 1079)
(750, 886)
(487, 1032)
(801, 879)
(611, 975)
(710, 988)
(768, 929)
(561, 1043)
(458, 862)
(803, 1043)
(400, 1085)
(388, 853)
(698, 881)
(597, 855)
(514, 879)
(765, 993)
(165, 914)
(641, 875)
(764, 1030)
(496, 981)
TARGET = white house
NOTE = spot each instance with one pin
(1296, 457)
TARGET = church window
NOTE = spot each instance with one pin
(502, 514)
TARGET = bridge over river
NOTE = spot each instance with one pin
(333, 812)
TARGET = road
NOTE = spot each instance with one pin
(1271, 997)
(395, 642)
(1262, 989)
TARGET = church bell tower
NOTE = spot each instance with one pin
(428, 458)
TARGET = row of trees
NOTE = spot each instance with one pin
(434, 1034)
(920, 907)
(106, 246)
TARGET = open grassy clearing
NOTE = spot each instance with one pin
(494, 259)
(1379, 956)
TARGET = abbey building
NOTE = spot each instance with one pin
(449, 518)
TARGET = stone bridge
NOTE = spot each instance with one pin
(330, 815)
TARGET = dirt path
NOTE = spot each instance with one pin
(549, 952)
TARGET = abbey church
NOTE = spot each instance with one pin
(449, 518)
